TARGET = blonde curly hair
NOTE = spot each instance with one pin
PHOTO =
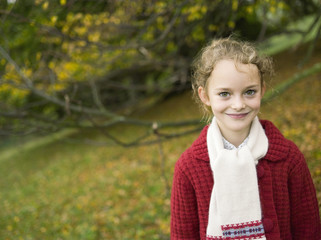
(226, 49)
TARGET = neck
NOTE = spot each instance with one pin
(235, 137)
(235, 140)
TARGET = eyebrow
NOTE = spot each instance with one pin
(247, 87)
(253, 86)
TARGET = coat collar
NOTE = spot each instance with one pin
(278, 145)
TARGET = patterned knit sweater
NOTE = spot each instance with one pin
(288, 198)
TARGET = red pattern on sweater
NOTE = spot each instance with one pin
(288, 198)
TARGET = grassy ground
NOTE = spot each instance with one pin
(63, 190)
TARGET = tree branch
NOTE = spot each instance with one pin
(29, 85)
(282, 87)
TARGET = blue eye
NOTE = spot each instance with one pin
(250, 92)
(224, 94)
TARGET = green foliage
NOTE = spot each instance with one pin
(85, 53)
(284, 41)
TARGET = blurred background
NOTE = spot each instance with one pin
(96, 105)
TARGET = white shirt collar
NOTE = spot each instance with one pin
(230, 146)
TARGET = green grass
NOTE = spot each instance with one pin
(8, 151)
(63, 191)
(56, 189)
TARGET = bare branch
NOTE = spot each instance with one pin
(289, 82)
(313, 44)
(96, 96)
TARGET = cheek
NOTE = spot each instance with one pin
(218, 105)
(255, 103)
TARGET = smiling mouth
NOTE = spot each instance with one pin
(237, 115)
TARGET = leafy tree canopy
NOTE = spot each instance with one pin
(63, 61)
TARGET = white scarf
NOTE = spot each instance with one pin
(235, 210)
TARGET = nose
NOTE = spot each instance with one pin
(238, 103)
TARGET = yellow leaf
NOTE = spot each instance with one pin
(53, 19)
(94, 37)
(88, 20)
(198, 34)
(281, 5)
(213, 27)
(38, 2)
(231, 24)
(317, 172)
(38, 56)
(272, 9)
(235, 5)
(80, 30)
(16, 219)
(250, 9)
(45, 5)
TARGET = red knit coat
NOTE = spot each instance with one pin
(288, 198)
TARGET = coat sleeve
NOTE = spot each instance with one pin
(184, 215)
(305, 218)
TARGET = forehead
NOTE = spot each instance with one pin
(235, 65)
(228, 71)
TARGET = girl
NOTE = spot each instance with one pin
(241, 179)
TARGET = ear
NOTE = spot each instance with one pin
(203, 96)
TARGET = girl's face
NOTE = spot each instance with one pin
(234, 94)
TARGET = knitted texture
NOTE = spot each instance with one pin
(288, 198)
